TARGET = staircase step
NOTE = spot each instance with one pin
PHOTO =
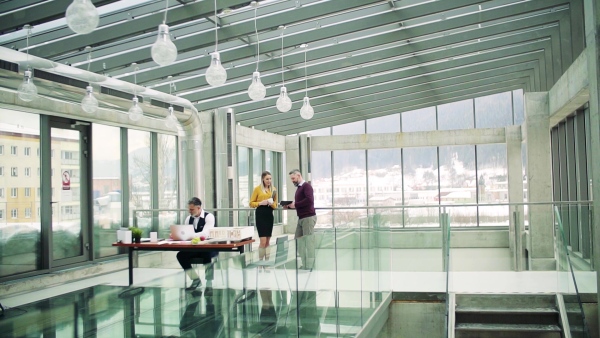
(507, 331)
(542, 316)
(507, 327)
(505, 310)
(519, 301)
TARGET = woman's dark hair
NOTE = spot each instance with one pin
(195, 201)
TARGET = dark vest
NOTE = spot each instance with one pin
(201, 222)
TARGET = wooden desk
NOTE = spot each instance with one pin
(230, 247)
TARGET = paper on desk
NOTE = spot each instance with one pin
(173, 242)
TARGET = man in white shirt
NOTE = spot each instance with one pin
(203, 221)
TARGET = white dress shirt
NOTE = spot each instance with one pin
(209, 223)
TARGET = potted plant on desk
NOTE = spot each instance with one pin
(136, 234)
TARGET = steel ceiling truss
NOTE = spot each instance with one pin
(366, 58)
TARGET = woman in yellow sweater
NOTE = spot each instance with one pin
(264, 199)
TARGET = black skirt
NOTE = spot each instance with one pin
(264, 220)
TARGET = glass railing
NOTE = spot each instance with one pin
(569, 277)
(329, 283)
(373, 250)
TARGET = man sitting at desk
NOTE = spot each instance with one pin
(203, 222)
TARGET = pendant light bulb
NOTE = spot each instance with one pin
(27, 90)
(284, 103)
(216, 74)
(171, 121)
(89, 103)
(135, 112)
(82, 17)
(164, 51)
(257, 90)
(307, 111)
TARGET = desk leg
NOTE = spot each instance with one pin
(130, 266)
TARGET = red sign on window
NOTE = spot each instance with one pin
(66, 181)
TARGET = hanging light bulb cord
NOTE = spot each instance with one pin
(171, 87)
(166, 10)
(28, 27)
(216, 34)
(135, 69)
(257, 40)
(89, 62)
(305, 76)
(89, 59)
(282, 77)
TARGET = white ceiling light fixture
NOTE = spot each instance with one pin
(82, 17)
(216, 74)
(135, 112)
(171, 121)
(307, 111)
(284, 103)
(257, 90)
(89, 103)
(164, 51)
(27, 90)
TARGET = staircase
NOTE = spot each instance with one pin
(504, 316)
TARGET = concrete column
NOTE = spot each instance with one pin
(539, 181)
(224, 159)
(515, 195)
(208, 161)
(191, 168)
(292, 161)
(592, 25)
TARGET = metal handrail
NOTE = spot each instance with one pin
(399, 206)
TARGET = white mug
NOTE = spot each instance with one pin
(154, 236)
(270, 200)
(127, 237)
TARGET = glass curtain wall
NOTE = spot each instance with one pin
(469, 174)
(168, 194)
(140, 176)
(492, 184)
(322, 186)
(20, 186)
(571, 179)
(20, 225)
(106, 188)
(458, 183)
(251, 163)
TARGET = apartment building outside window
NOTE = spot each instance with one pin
(27, 212)
(14, 213)
(13, 150)
(27, 151)
(27, 172)
(27, 192)
(13, 192)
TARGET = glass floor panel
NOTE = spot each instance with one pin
(117, 311)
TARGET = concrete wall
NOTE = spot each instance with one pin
(416, 315)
